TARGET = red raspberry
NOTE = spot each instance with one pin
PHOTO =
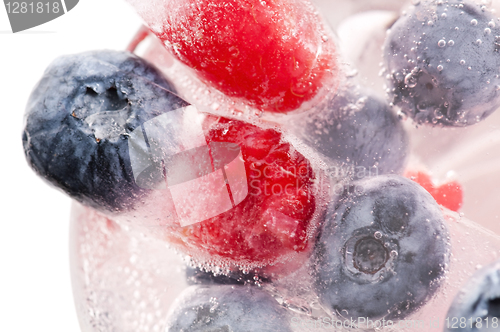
(275, 218)
(449, 195)
(274, 54)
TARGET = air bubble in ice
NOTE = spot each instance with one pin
(443, 15)
(437, 114)
(377, 235)
(451, 43)
(410, 80)
(440, 67)
(462, 62)
(441, 43)
(491, 24)
(479, 42)
(487, 31)
(473, 22)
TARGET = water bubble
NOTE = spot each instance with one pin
(462, 62)
(451, 43)
(440, 67)
(352, 73)
(487, 31)
(410, 80)
(473, 22)
(441, 43)
(437, 114)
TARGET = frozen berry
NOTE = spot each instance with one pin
(382, 251)
(449, 194)
(78, 119)
(227, 308)
(442, 59)
(477, 306)
(274, 219)
(359, 132)
(274, 55)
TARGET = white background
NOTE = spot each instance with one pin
(35, 287)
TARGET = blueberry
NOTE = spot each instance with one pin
(196, 276)
(360, 132)
(478, 303)
(442, 58)
(382, 251)
(227, 308)
(78, 120)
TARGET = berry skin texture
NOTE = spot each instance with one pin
(478, 303)
(382, 250)
(227, 308)
(358, 131)
(78, 119)
(443, 61)
(273, 55)
(275, 219)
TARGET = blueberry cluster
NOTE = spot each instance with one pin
(382, 247)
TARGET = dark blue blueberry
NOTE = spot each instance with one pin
(478, 303)
(359, 132)
(382, 251)
(197, 276)
(443, 62)
(78, 120)
(224, 308)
